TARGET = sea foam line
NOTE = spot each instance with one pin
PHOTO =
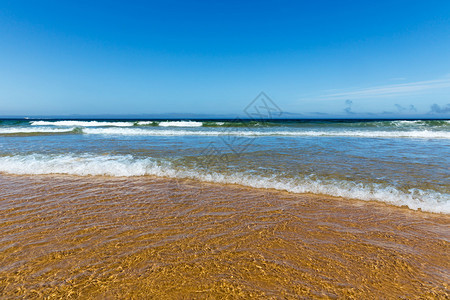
(117, 123)
(11, 130)
(180, 124)
(127, 165)
(81, 123)
(254, 133)
(420, 134)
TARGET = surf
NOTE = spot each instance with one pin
(86, 164)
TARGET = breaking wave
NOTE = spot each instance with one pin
(397, 124)
(127, 165)
(118, 123)
(180, 124)
(255, 133)
(414, 134)
(31, 130)
(81, 123)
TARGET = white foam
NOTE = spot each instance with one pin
(9, 130)
(405, 122)
(116, 124)
(180, 124)
(126, 165)
(81, 123)
(146, 122)
(253, 133)
(82, 165)
(437, 124)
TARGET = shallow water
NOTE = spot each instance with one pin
(106, 237)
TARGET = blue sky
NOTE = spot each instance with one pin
(316, 58)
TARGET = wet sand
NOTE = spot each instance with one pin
(143, 237)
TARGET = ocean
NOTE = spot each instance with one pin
(400, 162)
(224, 209)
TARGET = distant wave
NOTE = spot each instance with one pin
(80, 123)
(180, 124)
(255, 133)
(243, 132)
(119, 123)
(127, 165)
(338, 124)
(16, 130)
(417, 123)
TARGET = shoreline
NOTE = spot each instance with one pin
(224, 184)
(131, 237)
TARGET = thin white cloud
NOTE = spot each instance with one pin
(391, 90)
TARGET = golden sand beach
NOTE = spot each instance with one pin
(134, 238)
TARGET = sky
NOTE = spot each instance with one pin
(312, 58)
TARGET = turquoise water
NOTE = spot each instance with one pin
(399, 162)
